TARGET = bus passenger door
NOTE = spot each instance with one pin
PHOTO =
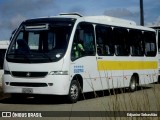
(83, 56)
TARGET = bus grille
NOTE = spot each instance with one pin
(29, 74)
(28, 84)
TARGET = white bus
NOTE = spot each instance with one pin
(3, 47)
(71, 54)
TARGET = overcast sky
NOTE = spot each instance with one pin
(13, 12)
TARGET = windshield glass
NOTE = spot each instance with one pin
(40, 42)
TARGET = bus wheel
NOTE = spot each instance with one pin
(74, 91)
(133, 84)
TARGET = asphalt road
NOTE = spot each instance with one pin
(91, 106)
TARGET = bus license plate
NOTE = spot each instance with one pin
(27, 90)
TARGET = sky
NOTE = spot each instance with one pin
(13, 12)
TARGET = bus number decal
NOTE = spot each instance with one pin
(78, 69)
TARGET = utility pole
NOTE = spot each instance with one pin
(141, 13)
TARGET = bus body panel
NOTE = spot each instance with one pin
(54, 84)
(60, 82)
(157, 28)
(46, 67)
(95, 78)
(87, 68)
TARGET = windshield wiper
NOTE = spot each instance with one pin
(25, 56)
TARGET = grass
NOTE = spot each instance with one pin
(2, 95)
(145, 99)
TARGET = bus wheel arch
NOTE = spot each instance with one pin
(76, 87)
(134, 82)
(79, 78)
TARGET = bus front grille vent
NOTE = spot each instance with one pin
(28, 84)
(29, 74)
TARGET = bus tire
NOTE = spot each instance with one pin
(74, 91)
(133, 84)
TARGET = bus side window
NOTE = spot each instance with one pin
(136, 42)
(105, 45)
(121, 41)
(150, 44)
(159, 41)
(84, 41)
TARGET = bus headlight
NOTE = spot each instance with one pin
(58, 73)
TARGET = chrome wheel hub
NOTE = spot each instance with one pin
(74, 91)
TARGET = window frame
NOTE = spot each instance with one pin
(107, 41)
(122, 47)
(76, 37)
(136, 39)
(148, 40)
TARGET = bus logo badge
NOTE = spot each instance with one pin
(28, 74)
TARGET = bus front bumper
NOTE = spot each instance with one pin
(50, 85)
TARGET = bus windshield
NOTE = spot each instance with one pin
(40, 42)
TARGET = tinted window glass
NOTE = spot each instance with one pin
(121, 41)
(150, 43)
(105, 45)
(136, 43)
(84, 41)
(158, 40)
(37, 42)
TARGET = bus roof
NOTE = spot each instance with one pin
(155, 26)
(98, 18)
(107, 20)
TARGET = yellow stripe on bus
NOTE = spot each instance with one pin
(127, 65)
